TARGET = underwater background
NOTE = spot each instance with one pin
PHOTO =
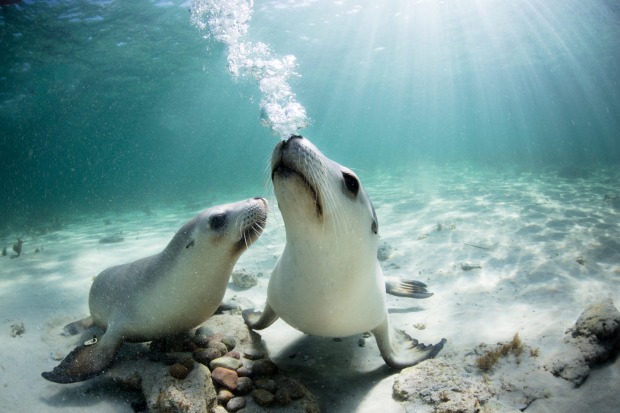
(121, 104)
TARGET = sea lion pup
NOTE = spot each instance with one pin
(328, 281)
(167, 293)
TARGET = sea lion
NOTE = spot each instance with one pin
(167, 293)
(328, 281)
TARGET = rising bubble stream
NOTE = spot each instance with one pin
(226, 21)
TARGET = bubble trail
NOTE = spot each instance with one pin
(226, 21)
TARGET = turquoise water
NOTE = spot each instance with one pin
(111, 104)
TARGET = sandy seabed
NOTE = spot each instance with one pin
(539, 248)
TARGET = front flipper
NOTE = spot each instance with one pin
(76, 327)
(406, 288)
(257, 320)
(399, 350)
(86, 361)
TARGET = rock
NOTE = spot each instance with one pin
(237, 403)
(218, 345)
(294, 389)
(253, 354)
(242, 371)
(224, 396)
(266, 384)
(440, 384)
(225, 377)
(233, 354)
(226, 362)
(264, 368)
(244, 385)
(282, 397)
(571, 366)
(178, 371)
(601, 320)
(244, 279)
(17, 329)
(202, 341)
(162, 392)
(229, 342)
(206, 355)
(263, 397)
(197, 392)
(17, 247)
(594, 339)
(203, 331)
(187, 362)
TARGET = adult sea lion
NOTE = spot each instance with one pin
(167, 293)
(328, 281)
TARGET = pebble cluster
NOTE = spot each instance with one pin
(236, 374)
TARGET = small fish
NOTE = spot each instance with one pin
(468, 267)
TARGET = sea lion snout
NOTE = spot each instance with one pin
(295, 153)
(286, 142)
(297, 162)
(252, 221)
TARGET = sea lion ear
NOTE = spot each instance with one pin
(190, 244)
(374, 227)
(351, 183)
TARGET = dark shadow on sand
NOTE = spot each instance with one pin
(405, 310)
(339, 372)
(90, 393)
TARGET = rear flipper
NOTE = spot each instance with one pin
(86, 361)
(257, 320)
(406, 288)
(399, 350)
(77, 327)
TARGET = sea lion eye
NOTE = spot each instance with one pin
(351, 183)
(217, 222)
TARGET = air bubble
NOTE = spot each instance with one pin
(226, 21)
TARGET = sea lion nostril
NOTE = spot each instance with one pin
(285, 143)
